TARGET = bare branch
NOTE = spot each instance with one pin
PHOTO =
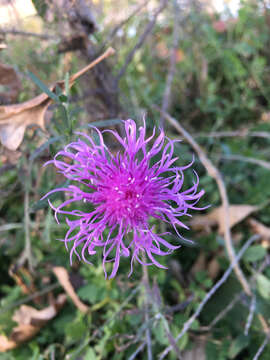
(251, 314)
(28, 34)
(123, 22)
(212, 291)
(30, 297)
(215, 174)
(110, 51)
(254, 161)
(261, 348)
(239, 133)
(137, 351)
(144, 35)
(224, 312)
(237, 298)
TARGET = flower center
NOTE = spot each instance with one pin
(125, 198)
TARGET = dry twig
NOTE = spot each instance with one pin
(137, 351)
(254, 161)
(215, 174)
(28, 34)
(144, 35)
(123, 22)
(261, 348)
(239, 133)
(252, 309)
(212, 291)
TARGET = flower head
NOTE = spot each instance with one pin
(123, 190)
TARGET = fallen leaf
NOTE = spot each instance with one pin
(24, 280)
(261, 230)
(9, 79)
(199, 264)
(30, 321)
(216, 217)
(6, 344)
(213, 268)
(9, 157)
(265, 117)
(63, 277)
(15, 118)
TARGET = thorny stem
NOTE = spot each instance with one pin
(145, 280)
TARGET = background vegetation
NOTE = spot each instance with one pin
(189, 69)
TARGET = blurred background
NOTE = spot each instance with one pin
(195, 66)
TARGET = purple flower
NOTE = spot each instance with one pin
(124, 191)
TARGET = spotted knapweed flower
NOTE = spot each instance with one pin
(124, 191)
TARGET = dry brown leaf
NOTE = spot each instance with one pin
(261, 230)
(63, 277)
(199, 264)
(24, 279)
(216, 217)
(6, 344)
(30, 321)
(9, 157)
(265, 117)
(15, 118)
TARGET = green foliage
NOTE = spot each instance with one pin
(221, 83)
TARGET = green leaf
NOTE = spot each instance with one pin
(89, 293)
(238, 344)
(63, 98)
(263, 286)
(76, 330)
(90, 355)
(254, 253)
(105, 123)
(160, 333)
(43, 87)
(67, 77)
